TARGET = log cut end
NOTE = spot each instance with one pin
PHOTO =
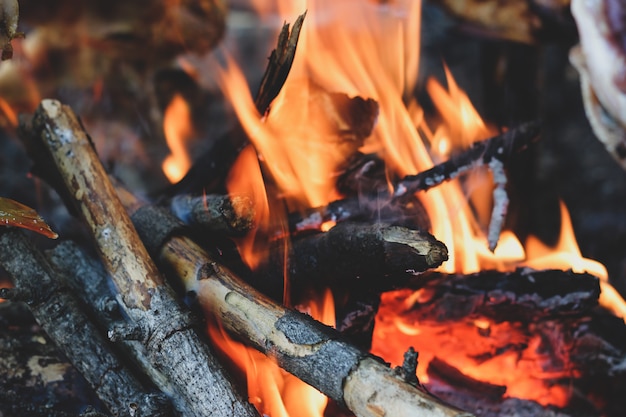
(403, 244)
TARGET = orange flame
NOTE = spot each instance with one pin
(566, 255)
(361, 48)
(8, 112)
(271, 390)
(515, 359)
(245, 179)
(178, 132)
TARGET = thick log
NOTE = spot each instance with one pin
(350, 255)
(58, 312)
(523, 295)
(156, 318)
(483, 317)
(313, 352)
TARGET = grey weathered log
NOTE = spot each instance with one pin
(89, 280)
(58, 312)
(313, 352)
(174, 348)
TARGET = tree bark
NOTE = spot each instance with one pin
(156, 318)
(59, 314)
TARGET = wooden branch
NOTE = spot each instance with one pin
(350, 255)
(370, 207)
(159, 322)
(222, 214)
(498, 148)
(59, 314)
(308, 349)
(491, 152)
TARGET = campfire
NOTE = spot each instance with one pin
(349, 238)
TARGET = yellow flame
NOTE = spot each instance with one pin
(178, 131)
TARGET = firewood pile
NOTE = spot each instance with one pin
(112, 320)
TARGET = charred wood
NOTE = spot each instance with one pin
(212, 167)
(227, 215)
(455, 377)
(523, 295)
(498, 148)
(279, 64)
(491, 152)
(549, 315)
(156, 317)
(311, 351)
(355, 313)
(350, 255)
(60, 315)
(407, 212)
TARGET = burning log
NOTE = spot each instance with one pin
(524, 295)
(157, 320)
(481, 321)
(311, 351)
(348, 255)
(521, 295)
(493, 152)
(232, 216)
(59, 314)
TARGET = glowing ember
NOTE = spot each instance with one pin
(498, 353)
